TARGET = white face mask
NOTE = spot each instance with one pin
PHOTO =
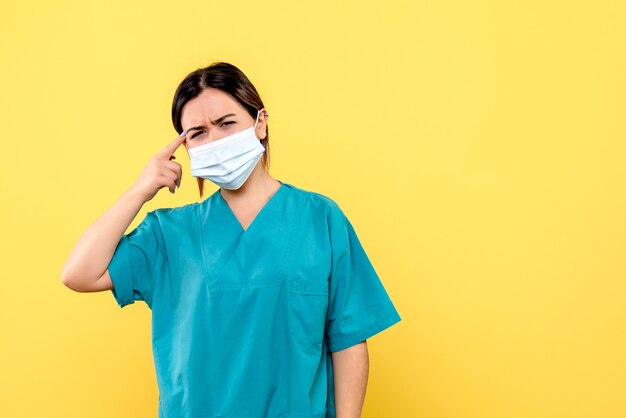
(228, 161)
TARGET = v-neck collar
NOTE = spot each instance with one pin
(255, 220)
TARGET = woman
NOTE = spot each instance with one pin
(262, 296)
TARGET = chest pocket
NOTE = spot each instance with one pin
(289, 415)
(308, 303)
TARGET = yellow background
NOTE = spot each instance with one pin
(477, 147)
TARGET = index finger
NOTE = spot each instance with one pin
(169, 149)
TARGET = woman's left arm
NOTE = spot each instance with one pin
(350, 371)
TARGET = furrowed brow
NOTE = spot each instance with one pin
(215, 122)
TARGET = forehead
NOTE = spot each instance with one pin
(210, 104)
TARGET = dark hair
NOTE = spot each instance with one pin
(229, 79)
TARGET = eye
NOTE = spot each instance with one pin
(221, 124)
(196, 134)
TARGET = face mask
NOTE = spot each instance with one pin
(227, 161)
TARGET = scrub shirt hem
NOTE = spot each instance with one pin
(339, 343)
(118, 269)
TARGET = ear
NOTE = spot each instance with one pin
(262, 124)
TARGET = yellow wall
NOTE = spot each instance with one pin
(477, 147)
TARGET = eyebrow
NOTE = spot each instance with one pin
(218, 120)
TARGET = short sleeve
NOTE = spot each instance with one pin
(138, 258)
(359, 306)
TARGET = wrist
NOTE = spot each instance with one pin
(134, 197)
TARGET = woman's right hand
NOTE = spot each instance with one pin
(86, 269)
(160, 172)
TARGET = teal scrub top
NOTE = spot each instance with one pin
(244, 321)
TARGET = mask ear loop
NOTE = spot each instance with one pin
(258, 112)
